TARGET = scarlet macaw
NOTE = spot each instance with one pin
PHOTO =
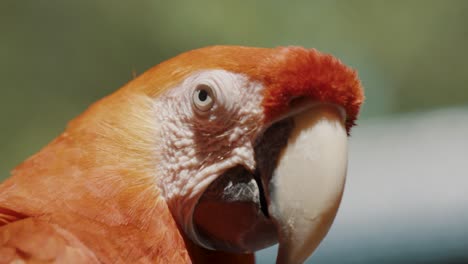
(205, 158)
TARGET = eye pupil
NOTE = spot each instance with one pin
(202, 95)
(203, 98)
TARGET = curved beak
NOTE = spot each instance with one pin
(307, 185)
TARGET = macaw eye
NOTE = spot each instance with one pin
(203, 98)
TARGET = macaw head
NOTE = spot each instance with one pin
(240, 147)
(252, 144)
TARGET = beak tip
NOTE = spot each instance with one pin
(300, 237)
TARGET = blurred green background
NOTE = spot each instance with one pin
(59, 56)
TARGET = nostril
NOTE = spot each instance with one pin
(298, 104)
(298, 101)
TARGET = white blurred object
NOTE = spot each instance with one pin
(406, 196)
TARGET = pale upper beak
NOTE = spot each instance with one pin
(307, 185)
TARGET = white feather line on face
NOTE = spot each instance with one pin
(195, 149)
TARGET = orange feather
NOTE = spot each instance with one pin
(91, 194)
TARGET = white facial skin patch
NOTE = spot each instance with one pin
(201, 144)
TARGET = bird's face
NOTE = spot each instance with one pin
(248, 159)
